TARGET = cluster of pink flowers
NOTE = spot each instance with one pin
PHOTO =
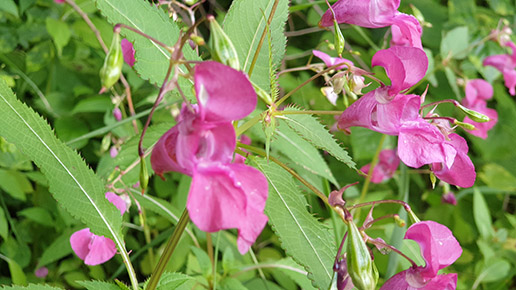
(223, 194)
(506, 64)
(478, 91)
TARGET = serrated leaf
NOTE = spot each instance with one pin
(302, 153)
(314, 132)
(174, 281)
(151, 59)
(304, 238)
(98, 285)
(245, 23)
(31, 287)
(71, 182)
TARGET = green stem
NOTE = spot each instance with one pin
(366, 38)
(370, 174)
(260, 44)
(241, 129)
(169, 249)
(215, 261)
(308, 113)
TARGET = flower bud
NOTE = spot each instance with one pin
(221, 47)
(117, 114)
(360, 264)
(473, 115)
(113, 152)
(112, 68)
(449, 198)
(399, 221)
(464, 125)
(144, 174)
(104, 144)
(339, 38)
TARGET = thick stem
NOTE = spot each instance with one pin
(169, 250)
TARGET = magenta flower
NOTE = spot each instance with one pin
(128, 52)
(478, 91)
(93, 249)
(506, 64)
(439, 249)
(222, 195)
(406, 30)
(331, 61)
(449, 198)
(388, 162)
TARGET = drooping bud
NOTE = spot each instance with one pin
(112, 68)
(144, 174)
(197, 40)
(472, 114)
(105, 143)
(360, 264)
(338, 38)
(433, 179)
(449, 198)
(113, 152)
(221, 47)
(117, 114)
(464, 125)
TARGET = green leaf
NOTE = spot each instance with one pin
(304, 238)
(31, 287)
(4, 228)
(69, 128)
(14, 182)
(98, 285)
(482, 215)
(38, 215)
(295, 272)
(203, 260)
(17, 275)
(71, 182)
(95, 104)
(9, 6)
(59, 248)
(151, 59)
(302, 152)
(493, 271)
(175, 281)
(314, 132)
(455, 43)
(60, 33)
(244, 24)
(496, 176)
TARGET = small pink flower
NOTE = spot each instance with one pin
(117, 114)
(506, 64)
(41, 272)
(388, 162)
(439, 249)
(113, 152)
(93, 249)
(449, 198)
(128, 52)
(331, 61)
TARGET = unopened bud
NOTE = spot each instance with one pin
(464, 125)
(104, 144)
(221, 47)
(113, 152)
(449, 198)
(117, 114)
(338, 38)
(473, 115)
(399, 221)
(112, 68)
(197, 40)
(360, 264)
(433, 179)
(144, 174)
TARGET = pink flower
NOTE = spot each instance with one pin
(331, 61)
(128, 52)
(505, 63)
(406, 30)
(478, 91)
(93, 249)
(117, 114)
(222, 195)
(439, 249)
(462, 171)
(388, 162)
(449, 198)
(41, 272)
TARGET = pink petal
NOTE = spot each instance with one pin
(59, 1)
(41, 272)
(509, 76)
(163, 157)
(439, 247)
(388, 162)
(224, 94)
(128, 52)
(462, 171)
(406, 31)
(331, 61)
(405, 66)
(421, 143)
(442, 282)
(229, 196)
(101, 250)
(397, 282)
(499, 61)
(449, 198)
(117, 201)
(80, 242)
(359, 113)
(365, 13)
(477, 90)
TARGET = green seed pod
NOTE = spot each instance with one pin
(466, 126)
(338, 38)
(106, 142)
(144, 175)
(112, 68)
(360, 265)
(221, 47)
(474, 115)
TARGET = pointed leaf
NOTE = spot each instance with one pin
(482, 215)
(304, 238)
(98, 285)
(71, 182)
